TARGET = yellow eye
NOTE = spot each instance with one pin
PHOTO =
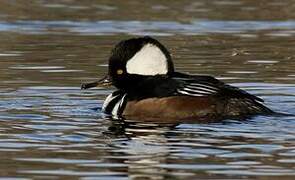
(120, 71)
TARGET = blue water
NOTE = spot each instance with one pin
(157, 28)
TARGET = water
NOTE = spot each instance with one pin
(51, 129)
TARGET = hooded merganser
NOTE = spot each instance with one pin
(148, 88)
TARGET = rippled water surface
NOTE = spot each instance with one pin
(51, 129)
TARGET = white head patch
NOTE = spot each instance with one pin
(150, 60)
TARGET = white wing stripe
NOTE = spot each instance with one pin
(190, 94)
(203, 85)
(196, 91)
(201, 88)
(193, 87)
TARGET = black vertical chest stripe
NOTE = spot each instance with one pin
(114, 103)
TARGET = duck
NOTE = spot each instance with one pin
(148, 88)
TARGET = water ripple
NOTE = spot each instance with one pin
(147, 27)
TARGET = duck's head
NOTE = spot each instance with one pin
(134, 59)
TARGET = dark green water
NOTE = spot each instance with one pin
(50, 130)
